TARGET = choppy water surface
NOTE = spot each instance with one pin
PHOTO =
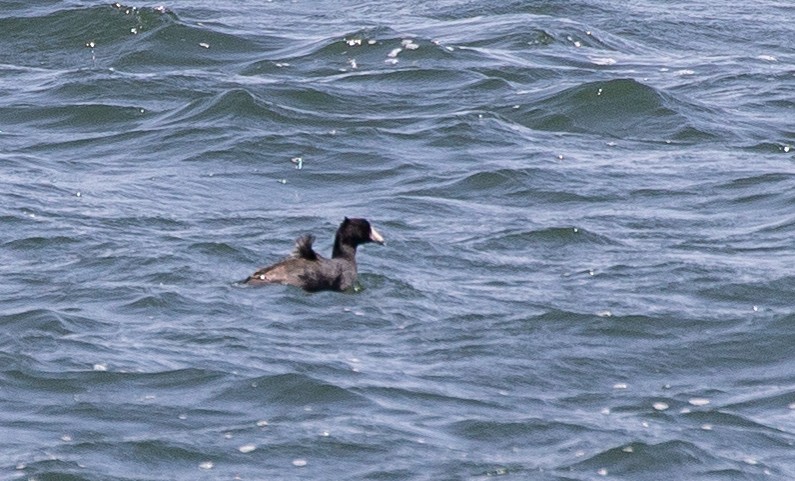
(589, 209)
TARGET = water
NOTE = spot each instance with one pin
(589, 210)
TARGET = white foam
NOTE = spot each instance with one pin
(247, 448)
(660, 406)
(299, 463)
(409, 44)
(698, 401)
(206, 465)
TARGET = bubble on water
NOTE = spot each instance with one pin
(100, 367)
(768, 58)
(247, 448)
(660, 406)
(620, 385)
(262, 423)
(604, 313)
(706, 427)
(391, 61)
(791, 406)
(66, 438)
(206, 465)
(698, 401)
(299, 463)
(605, 411)
(750, 460)
(183, 416)
(787, 148)
(204, 45)
(628, 449)
(394, 53)
(602, 472)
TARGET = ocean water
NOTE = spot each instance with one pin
(589, 209)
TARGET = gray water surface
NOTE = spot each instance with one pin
(589, 210)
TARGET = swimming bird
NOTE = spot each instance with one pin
(312, 272)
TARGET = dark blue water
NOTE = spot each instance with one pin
(589, 210)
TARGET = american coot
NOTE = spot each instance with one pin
(307, 269)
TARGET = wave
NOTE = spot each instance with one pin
(290, 390)
(621, 108)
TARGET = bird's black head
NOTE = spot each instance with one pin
(353, 232)
(358, 231)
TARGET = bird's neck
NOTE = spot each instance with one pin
(343, 250)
